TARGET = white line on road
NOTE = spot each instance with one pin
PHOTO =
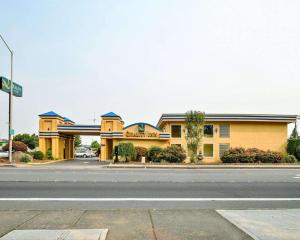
(147, 199)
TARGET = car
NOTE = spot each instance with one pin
(3, 154)
(83, 153)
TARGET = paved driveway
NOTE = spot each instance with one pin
(80, 162)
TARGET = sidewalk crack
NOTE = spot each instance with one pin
(152, 225)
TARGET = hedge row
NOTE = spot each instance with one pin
(172, 154)
(254, 155)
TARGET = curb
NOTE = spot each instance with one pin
(205, 166)
(49, 162)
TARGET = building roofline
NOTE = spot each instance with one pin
(232, 117)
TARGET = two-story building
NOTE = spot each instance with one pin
(221, 131)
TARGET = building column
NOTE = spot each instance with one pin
(103, 155)
(42, 145)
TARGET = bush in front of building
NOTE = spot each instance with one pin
(140, 152)
(172, 154)
(292, 146)
(25, 158)
(297, 152)
(16, 146)
(153, 154)
(39, 155)
(289, 159)
(250, 155)
(127, 151)
(49, 155)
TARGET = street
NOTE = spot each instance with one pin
(158, 204)
(62, 185)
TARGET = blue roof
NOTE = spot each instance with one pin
(67, 120)
(110, 114)
(50, 114)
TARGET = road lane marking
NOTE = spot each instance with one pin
(147, 199)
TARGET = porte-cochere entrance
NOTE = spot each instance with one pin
(57, 133)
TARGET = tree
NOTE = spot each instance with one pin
(295, 132)
(95, 144)
(77, 141)
(194, 132)
(30, 140)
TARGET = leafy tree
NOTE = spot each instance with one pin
(95, 145)
(127, 151)
(194, 132)
(30, 140)
(295, 133)
(77, 141)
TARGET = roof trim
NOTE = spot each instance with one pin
(233, 117)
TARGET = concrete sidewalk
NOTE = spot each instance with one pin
(129, 224)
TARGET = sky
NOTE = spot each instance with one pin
(140, 59)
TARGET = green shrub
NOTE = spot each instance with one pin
(289, 159)
(127, 151)
(297, 152)
(153, 154)
(25, 158)
(172, 154)
(38, 155)
(16, 146)
(250, 155)
(49, 154)
(140, 152)
(292, 145)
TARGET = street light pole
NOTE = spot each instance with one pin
(10, 101)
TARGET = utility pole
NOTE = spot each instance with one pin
(10, 129)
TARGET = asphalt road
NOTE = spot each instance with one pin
(52, 188)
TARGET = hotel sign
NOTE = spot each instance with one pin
(142, 134)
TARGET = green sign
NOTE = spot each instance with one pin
(5, 86)
(141, 127)
(11, 131)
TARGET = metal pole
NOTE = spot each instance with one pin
(10, 137)
(10, 101)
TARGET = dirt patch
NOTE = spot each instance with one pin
(6, 161)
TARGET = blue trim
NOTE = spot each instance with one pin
(142, 123)
(50, 114)
(68, 120)
(110, 114)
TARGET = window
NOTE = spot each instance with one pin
(176, 131)
(224, 130)
(208, 130)
(223, 147)
(208, 150)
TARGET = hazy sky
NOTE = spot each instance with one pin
(144, 58)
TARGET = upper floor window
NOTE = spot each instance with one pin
(208, 130)
(176, 131)
(224, 130)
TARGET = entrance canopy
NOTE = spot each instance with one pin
(76, 129)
